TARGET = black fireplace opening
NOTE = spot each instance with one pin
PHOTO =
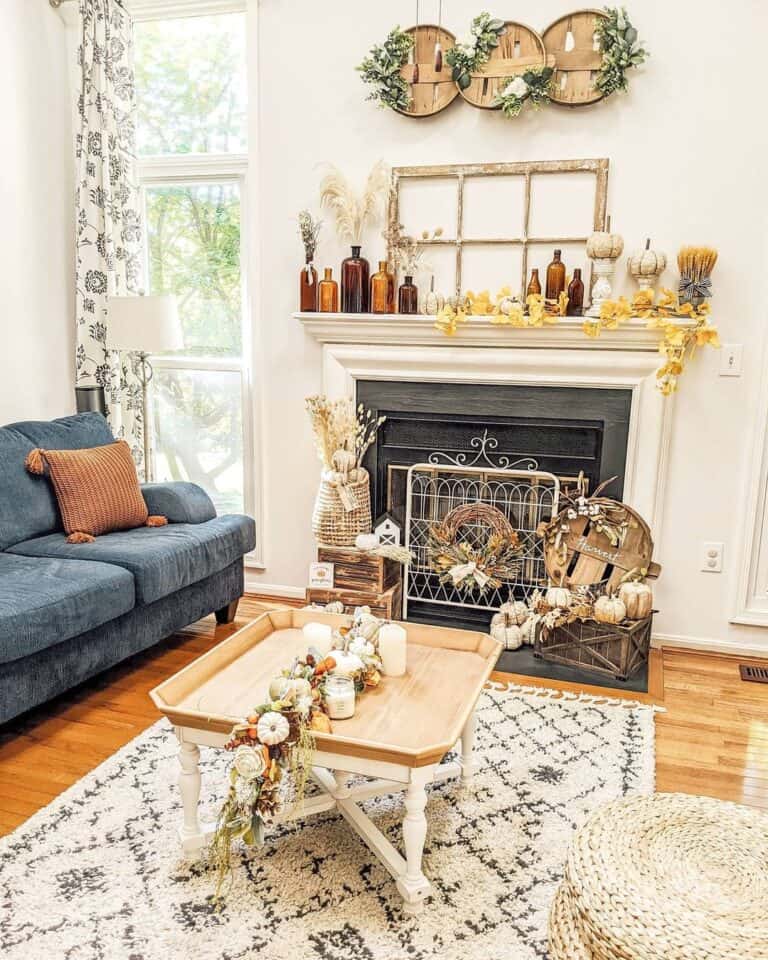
(566, 431)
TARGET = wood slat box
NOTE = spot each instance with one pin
(387, 604)
(359, 571)
(614, 650)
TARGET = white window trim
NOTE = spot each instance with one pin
(202, 168)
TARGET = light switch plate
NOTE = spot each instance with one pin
(712, 557)
(730, 359)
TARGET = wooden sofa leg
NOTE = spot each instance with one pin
(227, 614)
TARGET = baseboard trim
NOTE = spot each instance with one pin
(255, 585)
(709, 645)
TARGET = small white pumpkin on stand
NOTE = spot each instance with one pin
(646, 266)
(609, 610)
(637, 599)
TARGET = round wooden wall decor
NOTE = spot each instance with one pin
(571, 42)
(434, 89)
(519, 48)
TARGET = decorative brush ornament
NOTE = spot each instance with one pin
(603, 248)
(415, 74)
(646, 266)
(438, 47)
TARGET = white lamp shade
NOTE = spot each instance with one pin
(146, 324)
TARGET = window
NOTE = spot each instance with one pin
(192, 141)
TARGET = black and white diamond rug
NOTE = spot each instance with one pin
(97, 875)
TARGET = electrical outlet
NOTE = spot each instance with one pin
(730, 359)
(712, 557)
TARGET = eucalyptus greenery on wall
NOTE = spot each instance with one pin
(532, 87)
(467, 57)
(621, 49)
(381, 69)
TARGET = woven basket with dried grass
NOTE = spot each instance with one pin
(342, 511)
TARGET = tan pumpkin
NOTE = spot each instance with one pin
(609, 610)
(646, 266)
(558, 597)
(638, 600)
(602, 245)
(516, 611)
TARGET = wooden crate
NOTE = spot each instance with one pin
(614, 650)
(359, 571)
(388, 605)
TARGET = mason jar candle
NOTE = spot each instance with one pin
(339, 697)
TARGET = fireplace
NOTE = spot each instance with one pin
(564, 431)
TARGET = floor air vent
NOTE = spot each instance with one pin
(753, 673)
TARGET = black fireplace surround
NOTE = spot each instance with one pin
(562, 430)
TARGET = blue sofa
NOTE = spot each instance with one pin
(68, 611)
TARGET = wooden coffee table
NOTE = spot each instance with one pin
(398, 736)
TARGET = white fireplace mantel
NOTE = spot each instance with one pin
(396, 347)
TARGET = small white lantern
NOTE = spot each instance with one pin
(388, 531)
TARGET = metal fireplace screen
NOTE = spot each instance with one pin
(525, 497)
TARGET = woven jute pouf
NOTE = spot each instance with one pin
(667, 877)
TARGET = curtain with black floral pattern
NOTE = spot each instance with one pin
(109, 230)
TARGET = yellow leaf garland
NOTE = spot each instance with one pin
(683, 326)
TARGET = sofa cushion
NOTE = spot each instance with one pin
(27, 502)
(161, 559)
(45, 601)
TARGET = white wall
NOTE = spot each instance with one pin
(686, 148)
(36, 200)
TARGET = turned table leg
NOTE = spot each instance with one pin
(468, 765)
(191, 834)
(413, 886)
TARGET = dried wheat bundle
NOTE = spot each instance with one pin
(354, 211)
(696, 262)
(337, 426)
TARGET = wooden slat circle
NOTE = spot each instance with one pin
(575, 69)
(435, 89)
(519, 49)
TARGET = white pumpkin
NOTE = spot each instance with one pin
(609, 610)
(516, 611)
(279, 687)
(637, 599)
(347, 664)
(602, 245)
(647, 265)
(528, 629)
(558, 597)
(335, 606)
(273, 728)
(506, 632)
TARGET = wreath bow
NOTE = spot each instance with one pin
(462, 571)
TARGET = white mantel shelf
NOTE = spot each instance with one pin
(419, 330)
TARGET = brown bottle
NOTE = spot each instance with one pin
(555, 277)
(534, 286)
(575, 306)
(408, 297)
(308, 288)
(328, 293)
(354, 283)
(382, 290)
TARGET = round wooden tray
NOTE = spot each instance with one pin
(435, 89)
(576, 69)
(519, 48)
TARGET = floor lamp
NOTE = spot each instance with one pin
(144, 325)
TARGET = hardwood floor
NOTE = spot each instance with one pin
(713, 738)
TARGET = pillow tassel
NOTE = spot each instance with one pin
(35, 462)
(157, 520)
(79, 537)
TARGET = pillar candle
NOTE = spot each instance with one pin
(319, 636)
(392, 649)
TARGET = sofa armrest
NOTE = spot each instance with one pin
(180, 502)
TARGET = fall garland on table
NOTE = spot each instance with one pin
(620, 50)
(683, 326)
(277, 738)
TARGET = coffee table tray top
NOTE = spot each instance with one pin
(412, 720)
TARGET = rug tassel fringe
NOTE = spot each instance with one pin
(548, 693)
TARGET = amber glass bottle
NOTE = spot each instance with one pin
(328, 293)
(308, 288)
(354, 283)
(555, 277)
(382, 290)
(534, 286)
(408, 297)
(575, 306)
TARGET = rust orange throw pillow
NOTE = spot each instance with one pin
(97, 489)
